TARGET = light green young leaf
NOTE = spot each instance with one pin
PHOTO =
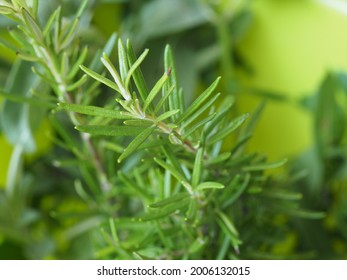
(32, 25)
(220, 135)
(174, 100)
(210, 185)
(110, 130)
(123, 61)
(5, 10)
(114, 73)
(139, 139)
(100, 78)
(137, 73)
(93, 111)
(143, 123)
(199, 101)
(75, 68)
(19, 37)
(155, 90)
(81, 8)
(78, 83)
(69, 37)
(196, 176)
(164, 98)
(166, 115)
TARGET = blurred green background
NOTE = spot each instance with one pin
(292, 54)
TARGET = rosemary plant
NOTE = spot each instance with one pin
(152, 171)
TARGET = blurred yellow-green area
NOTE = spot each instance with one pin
(291, 46)
(286, 53)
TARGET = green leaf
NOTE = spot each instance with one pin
(29, 100)
(202, 109)
(210, 185)
(135, 71)
(172, 158)
(70, 36)
(140, 122)
(75, 68)
(192, 210)
(81, 8)
(94, 111)
(196, 176)
(5, 10)
(196, 126)
(51, 21)
(114, 73)
(32, 25)
(229, 228)
(155, 90)
(170, 200)
(169, 64)
(236, 187)
(164, 98)
(100, 78)
(220, 158)
(140, 138)
(305, 214)
(222, 112)
(18, 120)
(134, 186)
(137, 75)
(78, 83)
(176, 173)
(123, 61)
(166, 115)
(282, 194)
(265, 165)
(220, 135)
(166, 211)
(110, 130)
(199, 101)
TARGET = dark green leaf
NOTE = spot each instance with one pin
(199, 101)
(140, 138)
(155, 90)
(110, 130)
(137, 75)
(196, 176)
(232, 126)
(265, 165)
(93, 111)
(166, 211)
(170, 200)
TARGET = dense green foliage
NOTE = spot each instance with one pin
(139, 165)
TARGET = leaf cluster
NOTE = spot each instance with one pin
(145, 171)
